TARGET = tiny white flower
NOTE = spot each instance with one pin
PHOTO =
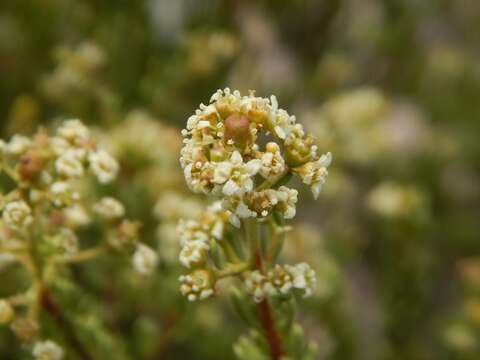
(193, 253)
(145, 259)
(287, 198)
(76, 215)
(109, 209)
(314, 173)
(197, 285)
(74, 131)
(271, 162)
(47, 350)
(69, 165)
(17, 214)
(304, 278)
(59, 145)
(63, 194)
(255, 283)
(235, 175)
(66, 241)
(18, 145)
(103, 165)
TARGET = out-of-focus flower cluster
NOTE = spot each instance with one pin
(47, 206)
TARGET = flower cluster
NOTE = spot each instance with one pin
(281, 281)
(197, 235)
(222, 156)
(44, 209)
(243, 150)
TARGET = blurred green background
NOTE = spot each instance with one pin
(390, 87)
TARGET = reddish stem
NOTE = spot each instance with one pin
(273, 339)
(50, 306)
(268, 323)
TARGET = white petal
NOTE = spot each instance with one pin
(253, 166)
(234, 220)
(230, 188)
(236, 158)
(222, 172)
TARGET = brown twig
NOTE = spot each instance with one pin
(51, 307)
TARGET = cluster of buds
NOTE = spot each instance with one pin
(281, 281)
(46, 205)
(197, 236)
(222, 155)
(243, 150)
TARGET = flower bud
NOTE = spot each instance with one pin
(237, 128)
(17, 214)
(197, 285)
(144, 259)
(31, 165)
(127, 233)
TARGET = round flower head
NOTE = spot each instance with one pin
(197, 285)
(109, 209)
(47, 350)
(18, 145)
(144, 259)
(103, 165)
(69, 165)
(74, 132)
(222, 155)
(17, 214)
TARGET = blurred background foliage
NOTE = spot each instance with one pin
(389, 87)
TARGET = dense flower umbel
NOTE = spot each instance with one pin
(221, 155)
(224, 156)
(40, 217)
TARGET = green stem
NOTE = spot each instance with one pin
(232, 270)
(82, 255)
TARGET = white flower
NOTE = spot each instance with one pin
(76, 215)
(17, 214)
(314, 173)
(6, 312)
(66, 241)
(280, 280)
(63, 194)
(47, 350)
(69, 165)
(18, 145)
(193, 253)
(272, 162)
(235, 175)
(237, 209)
(145, 259)
(109, 209)
(104, 166)
(74, 131)
(287, 198)
(191, 230)
(198, 285)
(255, 283)
(59, 145)
(304, 278)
